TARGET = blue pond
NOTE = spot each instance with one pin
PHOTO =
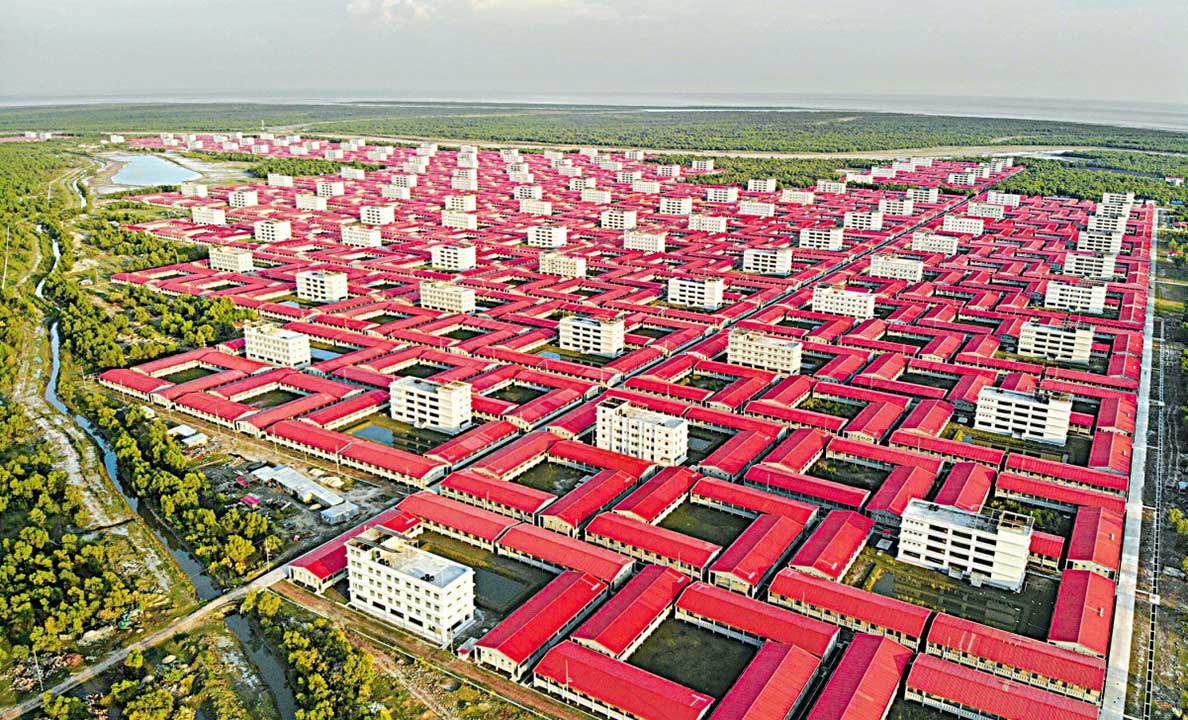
(146, 170)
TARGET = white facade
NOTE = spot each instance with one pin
(243, 198)
(596, 196)
(839, 301)
(422, 593)
(676, 206)
(821, 238)
(268, 231)
(831, 186)
(754, 349)
(628, 176)
(924, 241)
(306, 201)
(592, 335)
(1107, 224)
(702, 293)
(618, 219)
(721, 194)
(756, 208)
(924, 195)
(554, 263)
(768, 261)
(1069, 343)
(647, 242)
(453, 258)
(439, 406)
(897, 267)
(989, 548)
(351, 173)
(798, 197)
(707, 223)
(441, 295)
(377, 214)
(330, 188)
(321, 285)
(901, 207)
(656, 437)
(1108, 243)
(537, 207)
(1001, 198)
(205, 215)
(361, 236)
(461, 203)
(668, 171)
(651, 187)
(863, 220)
(190, 189)
(459, 220)
(527, 192)
(231, 259)
(270, 343)
(404, 181)
(1090, 266)
(761, 185)
(1077, 298)
(279, 180)
(548, 236)
(1038, 416)
(963, 225)
(985, 210)
(702, 165)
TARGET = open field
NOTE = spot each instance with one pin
(693, 656)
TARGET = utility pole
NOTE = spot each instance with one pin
(37, 665)
(7, 233)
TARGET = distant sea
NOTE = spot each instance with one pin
(1160, 116)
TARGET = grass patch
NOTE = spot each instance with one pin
(848, 473)
(418, 370)
(516, 393)
(384, 318)
(463, 334)
(933, 381)
(706, 523)
(551, 477)
(1046, 519)
(831, 407)
(693, 657)
(182, 376)
(652, 332)
(704, 382)
(273, 398)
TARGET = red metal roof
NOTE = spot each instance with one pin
(755, 500)
(865, 681)
(564, 551)
(967, 486)
(834, 543)
(1043, 543)
(667, 543)
(903, 485)
(771, 686)
(1097, 538)
(330, 558)
(658, 493)
(1007, 699)
(897, 615)
(457, 515)
(576, 506)
(757, 550)
(530, 626)
(1084, 611)
(623, 618)
(619, 685)
(501, 492)
(1058, 492)
(757, 618)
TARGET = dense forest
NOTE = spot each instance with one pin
(789, 172)
(1058, 177)
(765, 130)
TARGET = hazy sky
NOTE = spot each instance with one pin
(1111, 49)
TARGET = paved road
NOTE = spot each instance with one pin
(178, 626)
(1118, 668)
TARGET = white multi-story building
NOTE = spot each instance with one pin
(798, 197)
(330, 188)
(592, 335)
(243, 198)
(1001, 198)
(442, 295)
(962, 178)
(115, 139)
(268, 231)
(1107, 243)
(231, 259)
(555, 263)
(377, 214)
(410, 588)
(618, 219)
(668, 171)
(439, 406)
(190, 189)
(461, 203)
(206, 215)
(988, 548)
(761, 185)
(634, 155)
(721, 194)
(768, 261)
(963, 225)
(1114, 198)
(453, 258)
(821, 238)
(596, 196)
(578, 184)
(351, 173)
(1041, 416)
(628, 176)
(1090, 266)
(361, 236)
(702, 293)
(656, 437)
(985, 210)
(1107, 223)
(863, 220)
(459, 220)
(650, 187)
(1067, 342)
(707, 223)
(270, 343)
(537, 207)
(831, 186)
(924, 241)
(901, 207)
(394, 192)
(404, 181)
(836, 300)
(754, 349)
(756, 208)
(895, 266)
(279, 180)
(676, 205)
(527, 192)
(702, 165)
(1087, 298)
(645, 241)
(307, 201)
(463, 183)
(929, 196)
(321, 285)
(548, 236)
